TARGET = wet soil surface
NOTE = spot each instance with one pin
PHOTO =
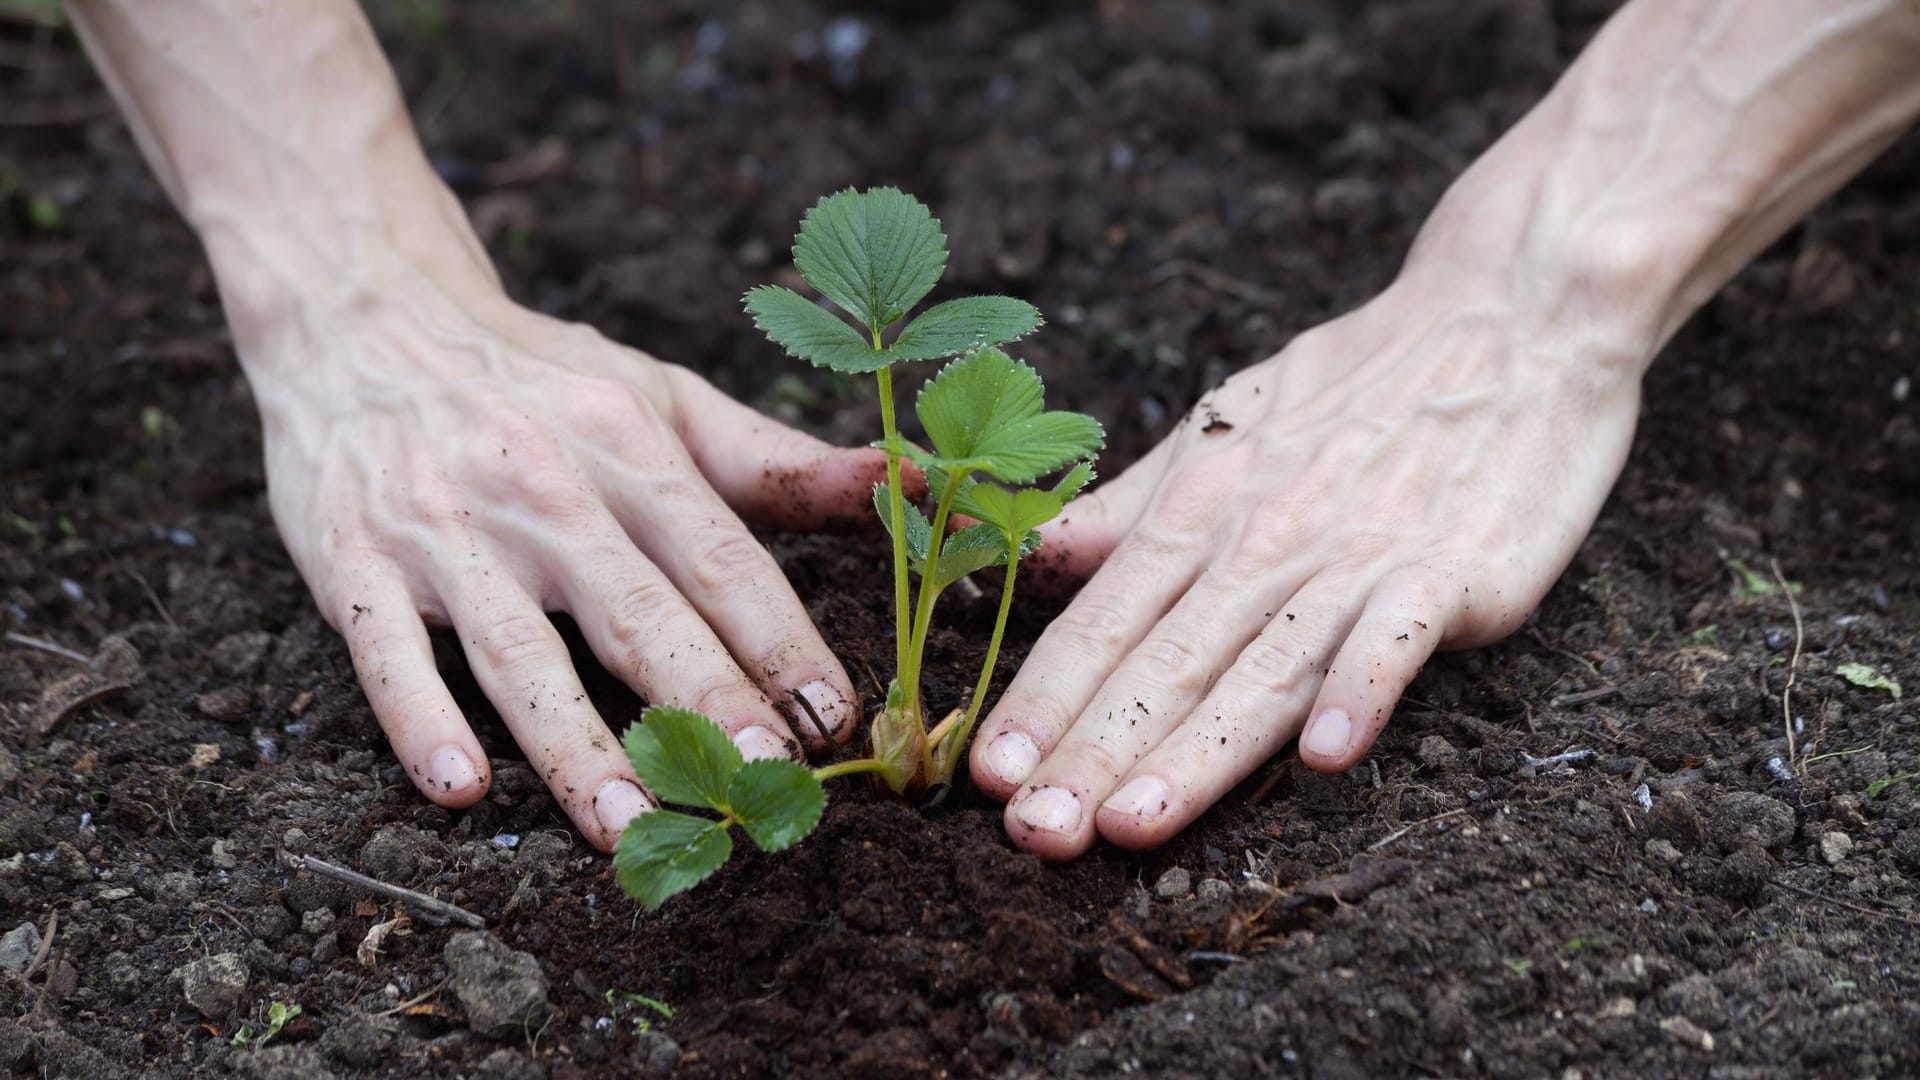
(1181, 187)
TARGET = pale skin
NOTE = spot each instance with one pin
(1412, 476)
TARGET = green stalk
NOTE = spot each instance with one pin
(923, 618)
(960, 734)
(897, 504)
(848, 768)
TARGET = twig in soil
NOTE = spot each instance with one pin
(1793, 667)
(39, 1013)
(1878, 913)
(152, 597)
(1573, 656)
(432, 910)
(1213, 956)
(412, 1001)
(46, 943)
(813, 718)
(1586, 697)
(1568, 757)
(1215, 280)
(52, 647)
(1405, 829)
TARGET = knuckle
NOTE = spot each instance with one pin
(644, 611)
(517, 640)
(1271, 667)
(1093, 624)
(1171, 664)
(729, 562)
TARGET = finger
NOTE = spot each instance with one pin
(1405, 620)
(767, 470)
(1073, 657)
(523, 666)
(1246, 718)
(1155, 687)
(394, 659)
(1074, 544)
(734, 584)
(644, 631)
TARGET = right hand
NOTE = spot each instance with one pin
(445, 457)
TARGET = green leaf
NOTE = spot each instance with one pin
(977, 547)
(919, 529)
(777, 802)
(811, 333)
(683, 757)
(1748, 582)
(1868, 677)
(875, 253)
(983, 412)
(1023, 510)
(959, 326)
(663, 854)
(1071, 484)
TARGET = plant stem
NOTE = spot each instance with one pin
(993, 648)
(897, 506)
(848, 768)
(929, 592)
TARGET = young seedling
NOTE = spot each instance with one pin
(875, 255)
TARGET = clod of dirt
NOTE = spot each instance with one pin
(507, 1065)
(357, 1042)
(296, 1061)
(215, 985)
(1743, 876)
(1684, 1031)
(1663, 851)
(176, 889)
(654, 1055)
(224, 703)
(1674, 819)
(306, 891)
(1746, 817)
(1696, 998)
(397, 854)
(543, 853)
(502, 990)
(1213, 890)
(1174, 884)
(238, 656)
(1835, 847)
(1436, 752)
(70, 864)
(18, 948)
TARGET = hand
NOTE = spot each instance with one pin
(446, 457)
(1410, 477)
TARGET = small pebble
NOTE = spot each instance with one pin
(1835, 847)
(1173, 884)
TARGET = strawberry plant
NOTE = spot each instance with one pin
(874, 255)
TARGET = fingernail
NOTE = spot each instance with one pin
(1327, 736)
(1012, 757)
(450, 769)
(1049, 809)
(618, 802)
(1144, 797)
(759, 742)
(829, 705)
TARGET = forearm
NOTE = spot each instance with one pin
(279, 132)
(1687, 138)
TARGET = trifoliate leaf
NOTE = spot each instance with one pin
(983, 412)
(683, 757)
(777, 802)
(919, 529)
(1868, 677)
(663, 853)
(811, 333)
(977, 547)
(1023, 510)
(875, 253)
(959, 326)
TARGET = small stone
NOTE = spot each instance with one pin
(70, 864)
(1173, 884)
(1213, 890)
(19, 947)
(1684, 1031)
(1618, 1008)
(506, 1064)
(117, 659)
(1674, 819)
(1436, 752)
(123, 976)
(1745, 817)
(222, 858)
(654, 1056)
(295, 840)
(118, 892)
(503, 991)
(1835, 847)
(316, 922)
(397, 854)
(1847, 812)
(225, 703)
(216, 986)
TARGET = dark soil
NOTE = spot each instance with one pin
(1181, 187)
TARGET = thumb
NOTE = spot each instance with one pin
(1073, 545)
(767, 471)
